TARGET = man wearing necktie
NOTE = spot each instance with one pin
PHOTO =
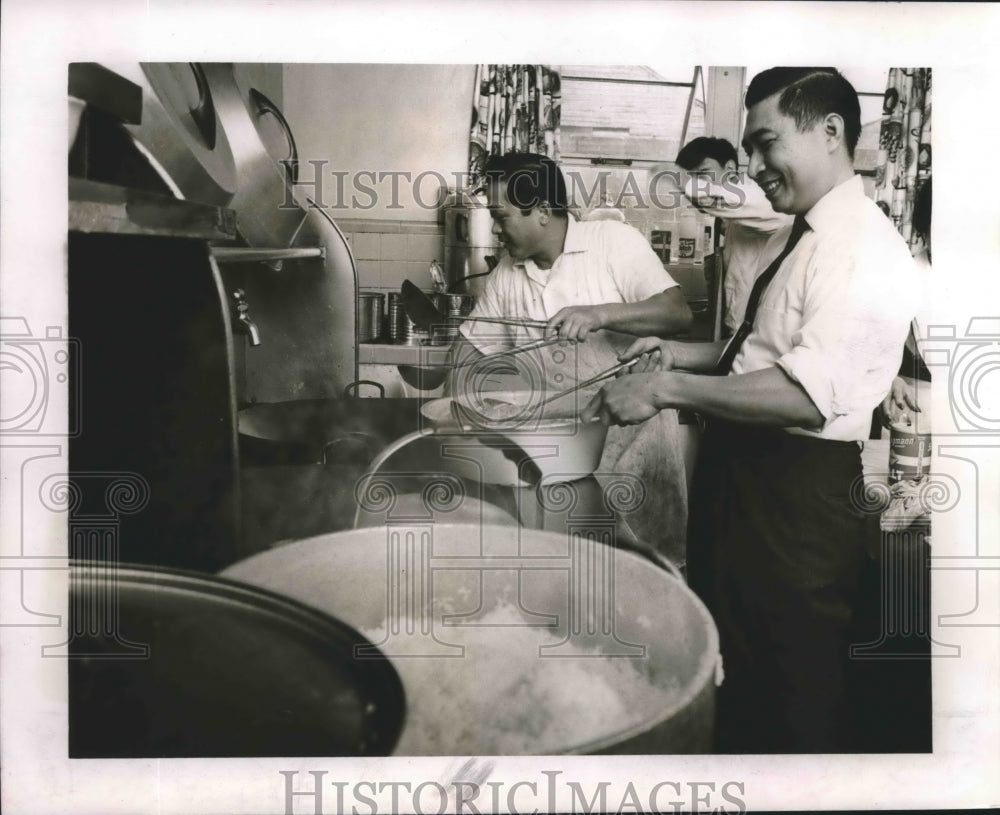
(775, 542)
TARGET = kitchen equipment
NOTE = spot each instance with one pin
(437, 277)
(424, 377)
(223, 143)
(577, 589)
(218, 669)
(551, 445)
(428, 377)
(471, 511)
(421, 309)
(370, 308)
(399, 325)
(497, 412)
(456, 307)
(473, 282)
(301, 431)
(468, 242)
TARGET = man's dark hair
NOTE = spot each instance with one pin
(531, 179)
(921, 217)
(697, 150)
(809, 94)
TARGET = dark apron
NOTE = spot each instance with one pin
(775, 549)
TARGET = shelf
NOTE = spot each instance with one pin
(97, 207)
(234, 254)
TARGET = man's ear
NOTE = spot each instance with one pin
(544, 212)
(833, 127)
(730, 166)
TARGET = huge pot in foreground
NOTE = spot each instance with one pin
(570, 645)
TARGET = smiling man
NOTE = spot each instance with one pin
(775, 542)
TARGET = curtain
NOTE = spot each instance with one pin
(904, 159)
(516, 107)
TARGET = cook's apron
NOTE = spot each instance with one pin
(775, 548)
(651, 451)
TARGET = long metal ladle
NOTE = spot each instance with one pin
(424, 314)
(466, 417)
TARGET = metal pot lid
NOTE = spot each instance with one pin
(173, 664)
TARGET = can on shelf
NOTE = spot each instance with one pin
(370, 307)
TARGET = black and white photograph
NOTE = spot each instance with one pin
(432, 407)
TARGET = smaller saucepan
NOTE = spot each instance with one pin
(549, 444)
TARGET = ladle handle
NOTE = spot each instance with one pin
(503, 321)
(603, 375)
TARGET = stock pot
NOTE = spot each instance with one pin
(550, 445)
(575, 591)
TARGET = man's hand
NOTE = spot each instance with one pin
(900, 402)
(576, 322)
(654, 355)
(628, 400)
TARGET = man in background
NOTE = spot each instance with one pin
(715, 187)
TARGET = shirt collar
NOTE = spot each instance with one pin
(830, 208)
(574, 241)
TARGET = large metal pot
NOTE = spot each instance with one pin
(166, 663)
(585, 594)
(549, 446)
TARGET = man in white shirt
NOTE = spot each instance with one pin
(597, 285)
(597, 280)
(775, 541)
(716, 188)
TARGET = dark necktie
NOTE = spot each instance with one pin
(722, 368)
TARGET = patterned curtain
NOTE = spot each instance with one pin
(904, 159)
(516, 108)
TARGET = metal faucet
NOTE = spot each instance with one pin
(243, 324)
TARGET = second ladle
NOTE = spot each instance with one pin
(424, 314)
(466, 417)
(428, 377)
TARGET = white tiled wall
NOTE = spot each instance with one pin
(389, 252)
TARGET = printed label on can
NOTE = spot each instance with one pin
(909, 453)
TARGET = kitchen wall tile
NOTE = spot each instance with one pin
(394, 272)
(366, 225)
(422, 227)
(425, 248)
(367, 246)
(369, 273)
(394, 247)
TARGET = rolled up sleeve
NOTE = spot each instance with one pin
(855, 320)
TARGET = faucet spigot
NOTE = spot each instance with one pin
(243, 324)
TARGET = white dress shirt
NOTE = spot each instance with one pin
(750, 222)
(836, 315)
(601, 262)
